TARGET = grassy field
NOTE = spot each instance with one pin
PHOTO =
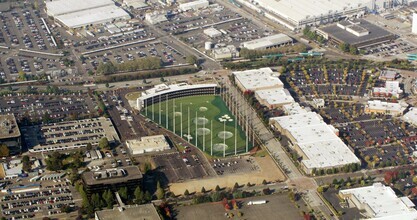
(200, 122)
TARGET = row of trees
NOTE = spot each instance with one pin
(347, 48)
(312, 35)
(253, 54)
(148, 63)
(54, 162)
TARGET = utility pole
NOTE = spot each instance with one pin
(181, 118)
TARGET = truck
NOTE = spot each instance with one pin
(257, 202)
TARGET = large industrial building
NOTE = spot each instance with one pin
(148, 144)
(257, 79)
(75, 14)
(269, 42)
(358, 33)
(391, 89)
(379, 202)
(10, 133)
(193, 5)
(301, 13)
(315, 141)
(165, 92)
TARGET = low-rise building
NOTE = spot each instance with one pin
(385, 108)
(136, 4)
(223, 53)
(194, 5)
(156, 17)
(391, 89)
(318, 103)
(113, 179)
(10, 133)
(212, 32)
(264, 43)
(273, 98)
(388, 75)
(257, 79)
(379, 202)
(358, 33)
(411, 116)
(131, 212)
(148, 144)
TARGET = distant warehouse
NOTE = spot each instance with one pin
(194, 5)
(80, 13)
(268, 42)
(358, 33)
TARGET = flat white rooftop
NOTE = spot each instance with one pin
(299, 120)
(327, 153)
(269, 41)
(294, 109)
(411, 116)
(93, 16)
(148, 144)
(274, 96)
(313, 133)
(377, 105)
(60, 7)
(300, 10)
(383, 202)
(255, 79)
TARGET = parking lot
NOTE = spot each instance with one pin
(45, 202)
(179, 167)
(391, 49)
(35, 107)
(189, 26)
(226, 166)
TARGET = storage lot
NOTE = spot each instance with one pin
(234, 165)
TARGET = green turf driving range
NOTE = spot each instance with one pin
(206, 122)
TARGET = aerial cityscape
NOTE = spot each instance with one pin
(208, 109)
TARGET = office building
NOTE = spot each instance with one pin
(131, 212)
(10, 134)
(384, 108)
(269, 42)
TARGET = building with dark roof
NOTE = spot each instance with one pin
(113, 179)
(358, 33)
(10, 133)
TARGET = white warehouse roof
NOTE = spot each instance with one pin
(275, 96)
(266, 42)
(382, 201)
(148, 144)
(411, 116)
(300, 10)
(60, 7)
(93, 16)
(298, 120)
(258, 79)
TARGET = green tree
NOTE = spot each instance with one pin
(139, 197)
(203, 190)
(415, 179)
(186, 193)
(191, 59)
(147, 197)
(22, 76)
(353, 50)
(104, 143)
(26, 164)
(160, 194)
(89, 146)
(217, 188)
(123, 193)
(108, 198)
(96, 201)
(54, 162)
(4, 150)
(344, 47)
(107, 85)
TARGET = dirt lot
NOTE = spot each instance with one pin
(268, 171)
(277, 207)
